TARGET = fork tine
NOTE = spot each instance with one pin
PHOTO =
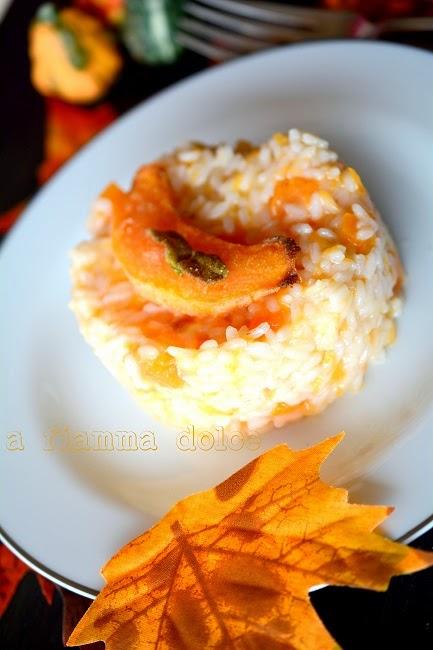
(323, 21)
(262, 31)
(235, 42)
(296, 16)
(207, 50)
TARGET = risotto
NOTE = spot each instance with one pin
(270, 358)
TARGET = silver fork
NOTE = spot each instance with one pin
(224, 29)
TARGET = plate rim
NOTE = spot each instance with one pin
(61, 581)
(412, 534)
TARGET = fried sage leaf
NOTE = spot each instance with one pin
(184, 259)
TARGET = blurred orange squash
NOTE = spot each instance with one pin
(73, 57)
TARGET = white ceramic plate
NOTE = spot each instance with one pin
(4, 6)
(67, 513)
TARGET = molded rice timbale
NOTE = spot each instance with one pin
(282, 355)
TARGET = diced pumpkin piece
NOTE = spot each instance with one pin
(284, 413)
(355, 179)
(297, 190)
(349, 229)
(162, 370)
(175, 264)
(281, 139)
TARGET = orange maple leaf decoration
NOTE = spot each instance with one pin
(7, 219)
(232, 567)
(47, 588)
(12, 571)
(67, 129)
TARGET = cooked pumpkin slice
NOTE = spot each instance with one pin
(173, 263)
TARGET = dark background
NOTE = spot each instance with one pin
(358, 619)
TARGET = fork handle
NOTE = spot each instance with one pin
(415, 24)
(362, 28)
